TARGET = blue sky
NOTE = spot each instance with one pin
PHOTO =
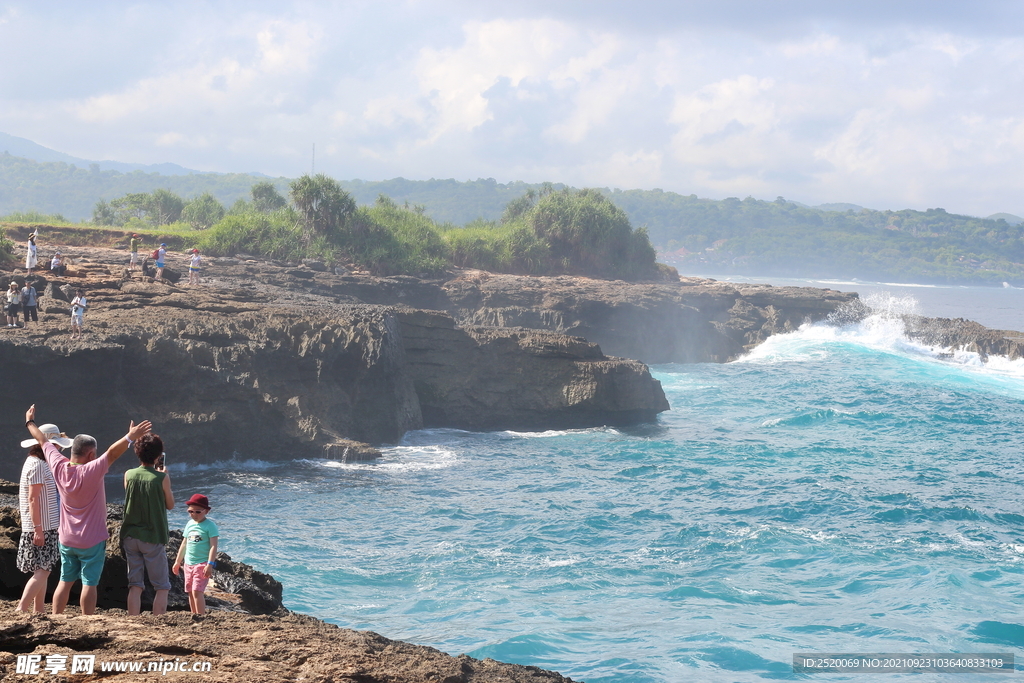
(884, 104)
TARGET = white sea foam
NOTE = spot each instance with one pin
(401, 459)
(884, 330)
(550, 433)
(247, 465)
(537, 435)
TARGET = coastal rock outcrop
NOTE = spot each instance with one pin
(279, 362)
(485, 378)
(222, 647)
(965, 335)
(694, 320)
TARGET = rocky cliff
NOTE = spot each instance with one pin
(694, 320)
(277, 362)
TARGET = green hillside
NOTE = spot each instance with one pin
(783, 238)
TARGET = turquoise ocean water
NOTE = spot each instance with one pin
(842, 489)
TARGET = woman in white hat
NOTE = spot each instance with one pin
(31, 258)
(38, 552)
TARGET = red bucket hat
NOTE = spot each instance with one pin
(199, 500)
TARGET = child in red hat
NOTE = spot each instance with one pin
(198, 552)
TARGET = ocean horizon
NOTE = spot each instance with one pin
(839, 489)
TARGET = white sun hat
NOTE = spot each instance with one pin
(52, 434)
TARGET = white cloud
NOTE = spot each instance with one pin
(816, 104)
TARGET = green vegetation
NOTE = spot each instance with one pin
(786, 239)
(6, 250)
(578, 232)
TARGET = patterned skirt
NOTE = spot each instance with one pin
(33, 557)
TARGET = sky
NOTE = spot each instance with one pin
(889, 105)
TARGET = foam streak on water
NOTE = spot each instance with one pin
(840, 489)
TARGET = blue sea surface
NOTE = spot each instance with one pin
(841, 489)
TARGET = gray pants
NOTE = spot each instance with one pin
(151, 557)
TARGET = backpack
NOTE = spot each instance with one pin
(155, 255)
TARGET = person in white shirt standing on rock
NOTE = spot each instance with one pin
(193, 267)
(78, 307)
(32, 257)
(13, 305)
(161, 254)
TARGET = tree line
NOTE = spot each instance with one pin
(546, 232)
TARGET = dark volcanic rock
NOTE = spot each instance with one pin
(694, 320)
(280, 361)
(499, 378)
(966, 335)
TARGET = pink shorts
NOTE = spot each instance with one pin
(195, 578)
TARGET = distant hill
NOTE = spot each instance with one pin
(57, 187)
(839, 206)
(71, 190)
(1008, 217)
(20, 147)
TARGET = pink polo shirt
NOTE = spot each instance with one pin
(83, 500)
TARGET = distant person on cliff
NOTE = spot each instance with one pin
(30, 302)
(78, 306)
(83, 508)
(198, 552)
(133, 247)
(38, 552)
(13, 304)
(161, 254)
(193, 267)
(147, 498)
(57, 266)
(31, 256)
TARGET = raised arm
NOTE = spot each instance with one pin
(30, 422)
(118, 448)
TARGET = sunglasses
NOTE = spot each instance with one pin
(195, 512)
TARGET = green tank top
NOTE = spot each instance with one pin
(145, 509)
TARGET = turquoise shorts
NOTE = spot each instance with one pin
(82, 563)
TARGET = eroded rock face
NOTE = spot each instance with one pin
(484, 378)
(965, 335)
(694, 320)
(278, 362)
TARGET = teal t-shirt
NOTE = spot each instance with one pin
(197, 540)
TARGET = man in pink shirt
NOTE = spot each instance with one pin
(83, 508)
